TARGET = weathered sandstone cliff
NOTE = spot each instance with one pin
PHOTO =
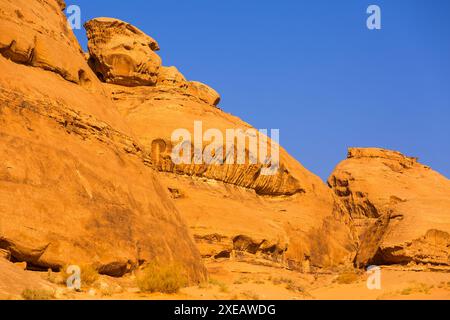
(400, 207)
(232, 209)
(73, 185)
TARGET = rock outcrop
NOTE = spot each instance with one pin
(288, 217)
(170, 76)
(36, 33)
(204, 93)
(169, 108)
(121, 53)
(85, 175)
(400, 207)
(74, 187)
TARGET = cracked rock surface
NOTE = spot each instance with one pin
(400, 207)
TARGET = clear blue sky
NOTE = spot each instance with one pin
(313, 69)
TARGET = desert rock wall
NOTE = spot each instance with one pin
(400, 207)
(74, 187)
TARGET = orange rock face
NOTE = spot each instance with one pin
(401, 208)
(121, 53)
(233, 209)
(42, 40)
(74, 187)
(87, 174)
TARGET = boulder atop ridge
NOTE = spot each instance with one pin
(121, 53)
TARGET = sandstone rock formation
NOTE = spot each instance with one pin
(204, 93)
(288, 217)
(400, 207)
(121, 53)
(74, 187)
(170, 76)
(36, 34)
(110, 194)
(87, 177)
(170, 108)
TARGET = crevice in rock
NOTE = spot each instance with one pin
(370, 241)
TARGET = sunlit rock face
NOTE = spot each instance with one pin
(400, 207)
(86, 178)
(35, 33)
(121, 53)
(74, 186)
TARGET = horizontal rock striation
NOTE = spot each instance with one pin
(81, 135)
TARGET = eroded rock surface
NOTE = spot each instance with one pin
(233, 209)
(169, 108)
(121, 53)
(79, 149)
(36, 33)
(172, 77)
(204, 93)
(401, 208)
(74, 186)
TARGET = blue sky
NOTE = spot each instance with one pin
(313, 69)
